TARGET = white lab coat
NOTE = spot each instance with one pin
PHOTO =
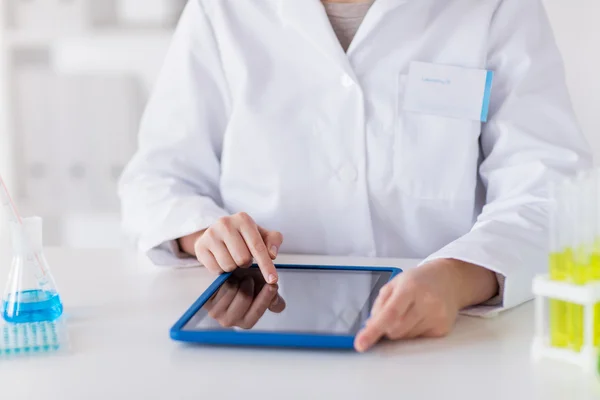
(259, 109)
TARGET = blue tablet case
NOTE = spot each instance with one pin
(266, 339)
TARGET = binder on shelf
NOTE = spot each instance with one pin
(149, 13)
(115, 107)
(35, 150)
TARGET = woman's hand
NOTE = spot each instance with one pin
(243, 302)
(232, 242)
(425, 301)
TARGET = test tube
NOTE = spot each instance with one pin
(590, 235)
(582, 228)
(574, 218)
(596, 255)
(567, 223)
(559, 335)
(596, 250)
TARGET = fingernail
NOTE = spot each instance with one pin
(360, 346)
(271, 289)
(274, 251)
(272, 278)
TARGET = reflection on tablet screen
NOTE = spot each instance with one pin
(305, 301)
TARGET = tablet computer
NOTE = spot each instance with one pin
(311, 306)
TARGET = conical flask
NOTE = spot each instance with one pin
(31, 294)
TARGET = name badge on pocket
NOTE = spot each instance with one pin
(448, 91)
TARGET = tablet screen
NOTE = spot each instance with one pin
(317, 301)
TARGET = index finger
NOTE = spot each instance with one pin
(372, 333)
(384, 294)
(259, 251)
(397, 303)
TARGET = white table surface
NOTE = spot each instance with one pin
(120, 309)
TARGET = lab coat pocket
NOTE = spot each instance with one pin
(435, 157)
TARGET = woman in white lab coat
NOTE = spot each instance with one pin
(264, 135)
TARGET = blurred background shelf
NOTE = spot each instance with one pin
(74, 78)
(35, 39)
(135, 52)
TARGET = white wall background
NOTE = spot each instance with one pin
(118, 45)
(577, 27)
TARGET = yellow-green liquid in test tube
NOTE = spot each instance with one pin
(596, 278)
(580, 273)
(559, 335)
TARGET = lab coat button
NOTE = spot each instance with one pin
(348, 173)
(347, 81)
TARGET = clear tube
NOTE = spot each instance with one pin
(558, 320)
(586, 226)
(579, 227)
(580, 223)
(574, 256)
(596, 250)
(554, 206)
(596, 253)
(567, 222)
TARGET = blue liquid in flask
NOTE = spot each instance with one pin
(32, 306)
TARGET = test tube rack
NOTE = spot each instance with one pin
(588, 296)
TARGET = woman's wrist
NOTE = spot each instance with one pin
(187, 243)
(472, 283)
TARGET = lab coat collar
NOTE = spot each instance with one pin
(378, 10)
(310, 19)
